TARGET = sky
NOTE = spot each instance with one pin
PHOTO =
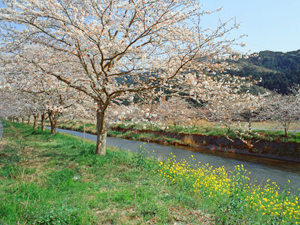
(270, 24)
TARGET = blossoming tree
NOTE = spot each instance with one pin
(112, 50)
(226, 101)
(42, 95)
(283, 109)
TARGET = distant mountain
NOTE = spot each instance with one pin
(279, 71)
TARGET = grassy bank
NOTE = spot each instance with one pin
(266, 144)
(205, 128)
(47, 179)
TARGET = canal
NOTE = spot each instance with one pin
(261, 169)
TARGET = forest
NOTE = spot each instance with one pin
(279, 71)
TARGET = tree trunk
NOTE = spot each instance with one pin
(101, 132)
(23, 119)
(43, 120)
(101, 144)
(53, 117)
(35, 117)
(53, 129)
(28, 120)
(249, 126)
(285, 132)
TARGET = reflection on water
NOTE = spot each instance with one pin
(261, 168)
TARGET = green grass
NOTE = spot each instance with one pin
(56, 179)
(144, 137)
(205, 128)
(236, 200)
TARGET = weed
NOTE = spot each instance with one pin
(188, 139)
(61, 214)
(233, 197)
(142, 159)
(62, 179)
(114, 133)
(9, 155)
(148, 136)
(71, 185)
(14, 171)
(63, 126)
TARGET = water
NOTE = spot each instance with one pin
(261, 169)
(1, 129)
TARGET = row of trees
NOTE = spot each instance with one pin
(91, 58)
(176, 110)
(230, 112)
(108, 51)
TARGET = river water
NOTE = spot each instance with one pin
(1, 129)
(261, 169)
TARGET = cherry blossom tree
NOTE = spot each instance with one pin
(42, 95)
(113, 50)
(5, 106)
(11, 103)
(226, 101)
(231, 112)
(283, 109)
(175, 111)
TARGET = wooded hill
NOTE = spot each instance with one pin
(279, 71)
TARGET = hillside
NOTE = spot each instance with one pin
(279, 71)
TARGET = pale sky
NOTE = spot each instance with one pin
(270, 24)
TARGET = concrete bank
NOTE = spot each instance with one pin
(267, 149)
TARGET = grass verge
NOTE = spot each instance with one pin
(56, 179)
(205, 128)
